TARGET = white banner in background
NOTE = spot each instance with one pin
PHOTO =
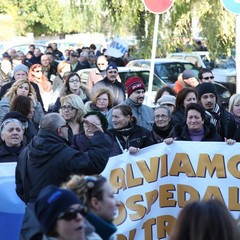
(156, 183)
(117, 48)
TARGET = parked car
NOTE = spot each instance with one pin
(63, 44)
(24, 47)
(166, 69)
(224, 69)
(126, 72)
(169, 69)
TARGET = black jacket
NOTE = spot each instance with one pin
(226, 125)
(178, 117)
(138, 137)
(9, 154)
(49, 159)
(80, 66)
(210, 133)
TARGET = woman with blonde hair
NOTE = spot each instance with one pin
(234, 107)
(72, 110)
(73, 85)
(24, 88)
(102, 101)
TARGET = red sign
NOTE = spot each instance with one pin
(158, 6)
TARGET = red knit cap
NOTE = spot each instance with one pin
(134, 83)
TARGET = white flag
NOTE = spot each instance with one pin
(117, 48)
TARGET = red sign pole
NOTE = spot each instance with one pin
(157, 7)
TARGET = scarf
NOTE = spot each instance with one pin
(214, 116)
(162, 132)
(103, 228)
(125, 131)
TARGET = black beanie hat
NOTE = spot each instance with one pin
(206, 88)
(50, 203)
(17, 115)
(102, 118)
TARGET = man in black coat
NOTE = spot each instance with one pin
(222, 120)
(49, 159)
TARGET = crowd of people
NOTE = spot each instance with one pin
(56, 127)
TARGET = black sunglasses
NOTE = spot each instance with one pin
(71, 213)
(206, 78)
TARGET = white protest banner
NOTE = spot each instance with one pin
(117, 48)
(11, 207)
(156, 183)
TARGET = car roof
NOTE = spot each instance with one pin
(161, 60)
(190, 53)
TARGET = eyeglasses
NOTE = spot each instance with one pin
(112, 72)
(102, 99)
(207, 78)
(69, 108)
(74, 80)
(71, 213)
(163, 117)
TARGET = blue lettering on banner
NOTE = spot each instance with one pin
(118, 46)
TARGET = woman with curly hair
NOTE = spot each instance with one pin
(24, 88)
(97, 195)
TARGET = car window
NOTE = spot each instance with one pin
(169, 72)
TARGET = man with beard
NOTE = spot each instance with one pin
(136, 92)
(110, 82)
(99, 73)
(218, 116)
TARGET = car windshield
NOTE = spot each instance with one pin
(169, 72)
(220, 62)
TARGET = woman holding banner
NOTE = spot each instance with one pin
(128, 135)
(195, 129)
(162, 126)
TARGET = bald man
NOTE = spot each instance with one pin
(49, 159)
